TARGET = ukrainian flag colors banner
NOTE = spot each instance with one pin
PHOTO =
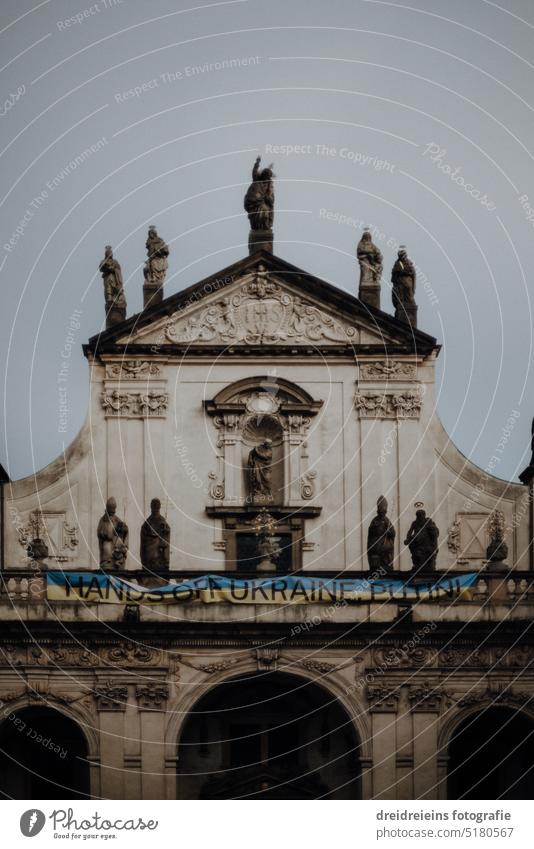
(108, 589)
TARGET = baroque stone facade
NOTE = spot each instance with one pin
(181, 394)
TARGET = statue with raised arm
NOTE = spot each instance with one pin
(403, 293)
(260, 471)
(527, 475)
(259, 199)
(112, 535)
(113, 288)
(380, 539)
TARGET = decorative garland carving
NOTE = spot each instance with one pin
(152, 404)
(402, 405)
(132, 370)
(387, 370)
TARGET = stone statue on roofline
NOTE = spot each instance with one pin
(113, 288)
(380, 539)
(403, 294)
(155, 269)
(155, 539)
(259, 205)
(422, 540)
(112, 535)
(370, 260)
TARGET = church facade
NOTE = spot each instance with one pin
(262, 569)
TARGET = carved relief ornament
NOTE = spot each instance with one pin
(387, 370)
(132, 370)
(261, 312)
(151, 404)
(388, 405)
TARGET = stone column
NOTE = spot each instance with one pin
(111, 701)
(383, 705)
(425, 705)
(152, 701)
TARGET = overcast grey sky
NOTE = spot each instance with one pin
(439, 92)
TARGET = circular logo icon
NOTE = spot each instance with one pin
(32, 822)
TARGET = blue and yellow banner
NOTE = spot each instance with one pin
(289, 589)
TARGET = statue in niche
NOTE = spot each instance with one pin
(155, 539)
(403, 294)
(370, 259)
(259, 199)
(422, 540)
(112, 535)
(380, 539)
(157, 263)
(260, 471)
(113, 288)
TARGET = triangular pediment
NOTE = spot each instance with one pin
(262, 301)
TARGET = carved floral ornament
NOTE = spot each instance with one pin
(150, 404)
(261, 312)
(389, 405)
(387, 370)
(132, 370)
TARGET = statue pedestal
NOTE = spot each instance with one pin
(370, 294)
(115, 315)
(260, 240)
(407, 314)
(152, 294)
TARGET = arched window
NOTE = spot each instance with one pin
(491, 756)
(43, 755)
(268, 736)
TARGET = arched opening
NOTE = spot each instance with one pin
(268, 736)
(491, 756)
(43, 755)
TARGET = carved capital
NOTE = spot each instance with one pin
(119, 404)
(388, 405)
(424, 698)
(383, 698)
(152, 695)
(111, 696)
